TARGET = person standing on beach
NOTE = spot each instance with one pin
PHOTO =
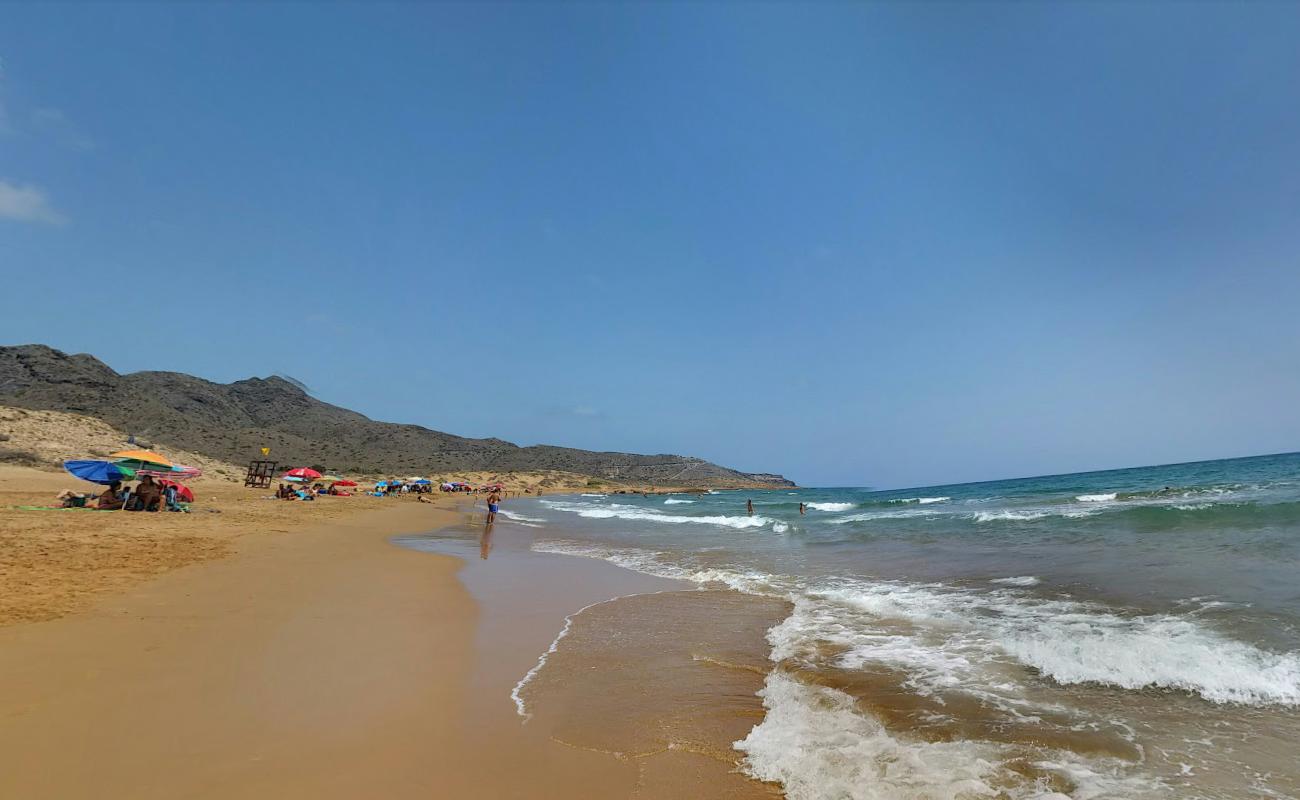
(749, 506)
(494, 505)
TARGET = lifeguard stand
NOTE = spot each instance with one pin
(260, 474)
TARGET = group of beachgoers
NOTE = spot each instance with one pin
(395, 487)
(147, 495)
(291, 492)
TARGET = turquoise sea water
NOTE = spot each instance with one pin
(1127, 633)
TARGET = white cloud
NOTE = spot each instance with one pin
(26, 204)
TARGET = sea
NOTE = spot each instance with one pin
(1130, 633)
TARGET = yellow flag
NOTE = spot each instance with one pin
(266, 451)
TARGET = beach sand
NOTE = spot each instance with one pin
(56, 562)
(293, 650)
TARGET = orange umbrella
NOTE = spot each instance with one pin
(142, 456)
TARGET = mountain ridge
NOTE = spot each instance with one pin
(231, 421)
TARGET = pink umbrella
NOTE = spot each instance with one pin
(177, 473)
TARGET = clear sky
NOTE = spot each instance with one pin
(887, 245)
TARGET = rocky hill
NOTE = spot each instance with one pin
(232, 421)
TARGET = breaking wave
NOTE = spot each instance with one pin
(517, 517)
(617, 511)
(1020, 580)
(817, 743)
(830, 506)
(1067, 641)
(1096, 498)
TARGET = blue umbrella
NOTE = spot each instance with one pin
(422, 482)
(103, 472)
(381, 483)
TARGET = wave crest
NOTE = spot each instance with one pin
(830, 506)
(618, 511)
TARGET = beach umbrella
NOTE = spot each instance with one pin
(180, 472)
(381, 484)
(137, 459)
(422, 482)
(101, 472)
(182, 492)
(345, 483)
(304, 473)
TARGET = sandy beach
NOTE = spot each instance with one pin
(293, 650)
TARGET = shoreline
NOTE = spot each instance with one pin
(323, 660)
(654, 675)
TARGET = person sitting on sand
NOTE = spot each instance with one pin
(172, 498)
(111, 499)
(147, 497)
(71, 499)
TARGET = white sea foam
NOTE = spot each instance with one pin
(1167, 651)
(517, 517)
(817, 745)
(650, 562)
(673, 501)
(516, 693)
(619, 511)
(780, 527)
(595, 495)
(921, 500)
(1019, 580)
(951, 637)
(1096, 498)
(1013, 516)
(830, 506)
(867, 516)
(1067, 641)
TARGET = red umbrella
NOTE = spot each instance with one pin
(182, 492)
(305, 473)
(345, 483)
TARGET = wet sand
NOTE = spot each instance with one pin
(649, 674)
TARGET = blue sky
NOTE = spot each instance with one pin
(883, 245)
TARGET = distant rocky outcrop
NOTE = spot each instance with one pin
(231, 421)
